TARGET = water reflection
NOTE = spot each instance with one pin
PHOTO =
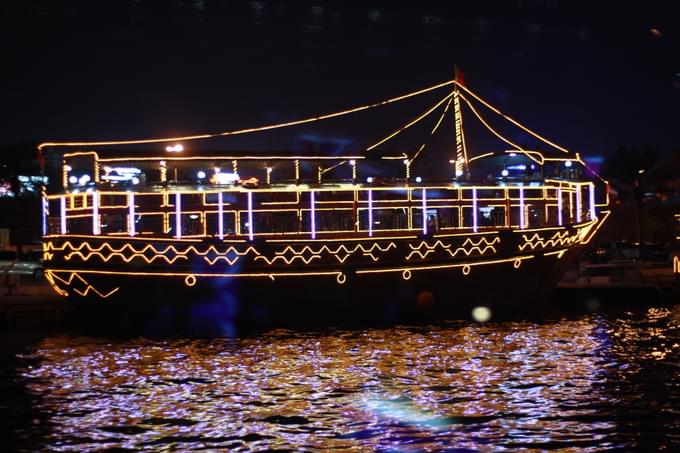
(592, 381)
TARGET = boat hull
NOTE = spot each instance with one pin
(386, 276)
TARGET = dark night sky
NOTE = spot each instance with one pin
(592, 75)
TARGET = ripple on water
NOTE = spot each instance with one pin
(588, 382)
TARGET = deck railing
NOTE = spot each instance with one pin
(317, 211)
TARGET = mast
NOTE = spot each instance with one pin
(461, 151)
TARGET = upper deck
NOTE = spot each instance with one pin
(203, 197)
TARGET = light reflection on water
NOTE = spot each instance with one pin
(587, 381)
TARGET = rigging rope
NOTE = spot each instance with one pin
(434, 129)
(498, 112)
(248, 130)
(403, 128)
(410, 123)
(493, 131)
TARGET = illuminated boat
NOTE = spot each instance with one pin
(175, 221)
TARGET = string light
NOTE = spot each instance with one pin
(62, 212)
(434, 129)
(559, 207)
(178, 215)
(502, 115)
(131, 213)
(45, 213)
(591, 200)
(522, 220)
(312, 214)
(220, 216)
(410, 123)
(474, 209)
(493, 131)
(248, 130)
(424, 208)
(95, 214)
(370, 213)
(250, 216)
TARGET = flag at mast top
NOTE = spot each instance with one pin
(459, 76)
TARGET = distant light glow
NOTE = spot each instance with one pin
(481, 314)
(73, 179)
(369, 179)
(121, 174)
(220, 178)
(200, 174)
(174, 148)
(567, 164)
(504, 172)
(419, 179)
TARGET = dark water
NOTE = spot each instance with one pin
(587, 381)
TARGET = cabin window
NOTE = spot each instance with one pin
(149, 224)
(536, 215)
(384, 219)
(487, 216)
(271, 222)
(191, 224)
(79, 225)
(113, 223)
(228, 223)
(329, 220)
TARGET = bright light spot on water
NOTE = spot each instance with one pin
(481, 314)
